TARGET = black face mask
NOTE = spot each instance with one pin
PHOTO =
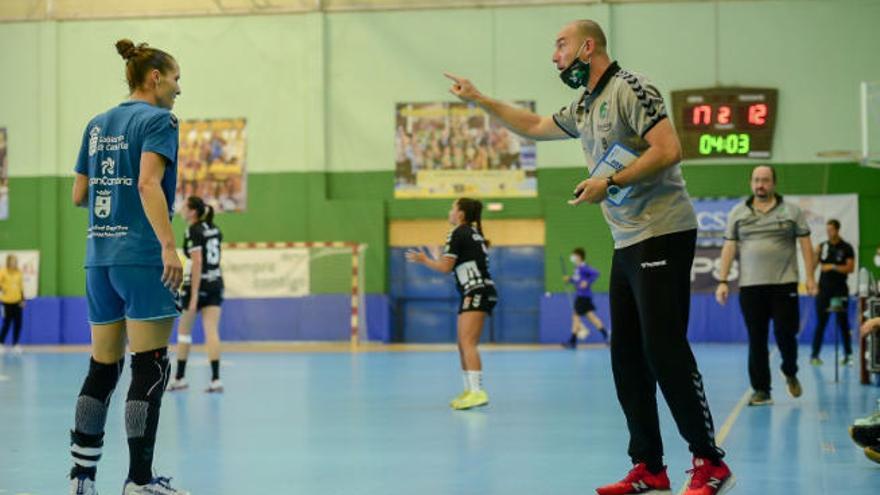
(577, 73)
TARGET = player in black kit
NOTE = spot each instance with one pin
(836, 259)
(201, 245)
(465, 255)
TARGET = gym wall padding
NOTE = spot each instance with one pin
(425, 303)
(541, 318)
(323, 317)
(709, 322)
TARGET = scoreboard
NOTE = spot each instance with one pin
(725, 122)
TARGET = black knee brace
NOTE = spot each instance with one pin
(149, 377)
(87, 436)
(91, 405)
(102, 379)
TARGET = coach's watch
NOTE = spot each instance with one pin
(612, 186)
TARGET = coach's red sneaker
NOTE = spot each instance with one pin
(639, 480)
(709, 479)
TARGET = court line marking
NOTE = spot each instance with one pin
(725, 428)
(733, 416)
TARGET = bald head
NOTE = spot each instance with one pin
(582, 38)
(585, 28)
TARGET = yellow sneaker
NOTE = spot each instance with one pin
(471, 400)
(458, 398)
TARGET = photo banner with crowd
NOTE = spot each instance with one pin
(211, 163)
(449, 149)
(712, 216)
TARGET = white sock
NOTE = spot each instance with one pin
(466, 380)
(475, 380)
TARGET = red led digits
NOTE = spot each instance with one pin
(724, 114)
(758, 114)
(701, 115)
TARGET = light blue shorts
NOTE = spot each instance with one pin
(117, 293)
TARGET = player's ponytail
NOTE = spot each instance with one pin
(473, 214)
(209, 215)
(204, 211)
(480, 230)
(140, 59)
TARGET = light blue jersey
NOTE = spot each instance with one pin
(119, 232)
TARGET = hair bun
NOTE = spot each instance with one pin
(126, 48)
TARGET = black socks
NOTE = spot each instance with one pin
(181, 369)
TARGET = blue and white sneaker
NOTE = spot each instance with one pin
(871, 420)
(177, 384)
(157, 486)
(215, 387)
(82, 485)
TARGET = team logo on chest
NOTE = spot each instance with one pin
(604, 124)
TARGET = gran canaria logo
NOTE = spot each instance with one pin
(111, 181)
(108, 166)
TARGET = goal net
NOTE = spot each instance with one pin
(295, 291)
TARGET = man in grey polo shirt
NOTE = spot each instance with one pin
(766, 230)
(653, 224)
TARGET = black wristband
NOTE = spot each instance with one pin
(611, 187)
(723, 282)
(610, 181)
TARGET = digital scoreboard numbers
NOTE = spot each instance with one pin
(725, 122)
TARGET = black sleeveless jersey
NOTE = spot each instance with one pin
(835, 254)
(469, 249)
(207, 239)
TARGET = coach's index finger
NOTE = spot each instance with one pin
(452, 77)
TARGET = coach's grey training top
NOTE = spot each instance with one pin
(622, 108)
(767, 242)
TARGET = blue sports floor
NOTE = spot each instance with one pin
(378, 423)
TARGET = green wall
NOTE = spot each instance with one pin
(318, 92)
(357, 206)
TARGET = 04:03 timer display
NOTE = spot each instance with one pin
(724, 144)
